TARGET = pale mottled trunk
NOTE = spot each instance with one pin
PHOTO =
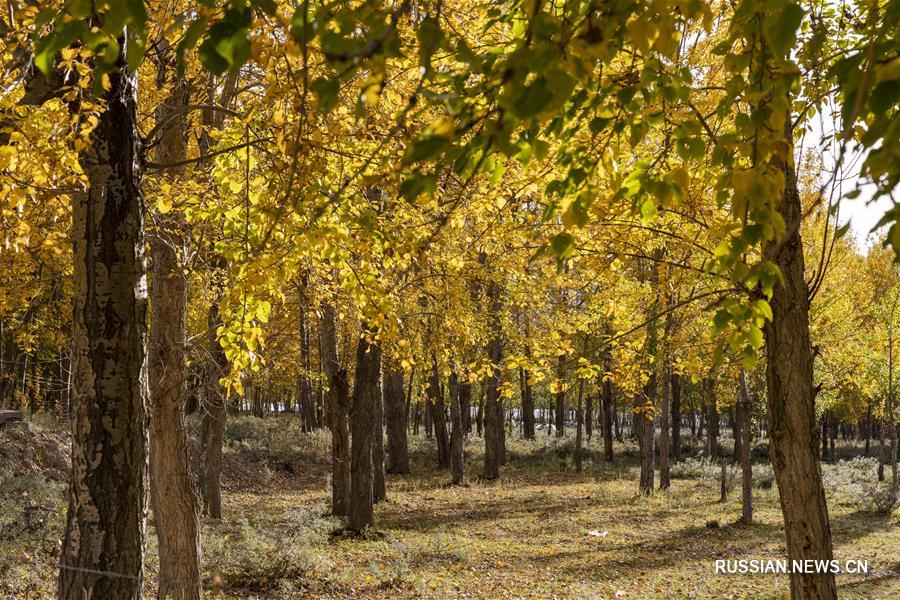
(106, 520)
(792, 413)
(361, 511)
(339, 405)
(746, 413)
(175, 503)
(457, 456)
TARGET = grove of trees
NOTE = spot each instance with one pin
(464, 216)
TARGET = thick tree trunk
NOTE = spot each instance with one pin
(339, 406)
(395, 419)
(745, 412)
(107, 513)
(792, 411)
(676, 417)
(361, 510)
(175, 503)
(457, 456)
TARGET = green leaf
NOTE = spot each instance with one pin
(326, 90)
(563, 245)
(781, 27)
(425, 148)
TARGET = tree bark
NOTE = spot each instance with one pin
(457, 451)
(745, 412)
(379, 488)
(791, 404)
(212, 423)
(527, 406)
(712, 418)
(664, 474)
(339, 405)
(438, 416)
(676, 417)
(106, 519)
(493, 415)
(361, 510)
(396, 421)
(579, 426)
(175, 503)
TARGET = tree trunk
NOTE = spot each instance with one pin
(308, 412)
(791, 403)
(438, 416)
(395, 418)
(493, 409)
(589, 416)
(712, 418)
(108, 487)
(676, 417)
(606, 410)
(745, 412)
(457, 456)
(579, 426)
(339, 405)
(175, 503)
(379, 489)
(465, 406)
(527, 406)
(212, 423)
(561, 397)
(479, 416)
(361, 511)
(664, 409)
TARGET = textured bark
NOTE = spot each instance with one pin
(106, 520)
(396, 421)
(379, 489)
(175, 503)
(676, 417)
(438, 416)
(212, 423)
(339, 404)
(791, 403)
(493, 408)
(664, 448)
(457, 455)
(746, 413)
(361, 511)
(465, 406)
(579, 425)
(305, 403)
(606, 411)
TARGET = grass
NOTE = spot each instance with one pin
(524, 536)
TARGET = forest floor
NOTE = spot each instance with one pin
(542, 531)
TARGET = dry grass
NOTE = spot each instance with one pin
(524, 536)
